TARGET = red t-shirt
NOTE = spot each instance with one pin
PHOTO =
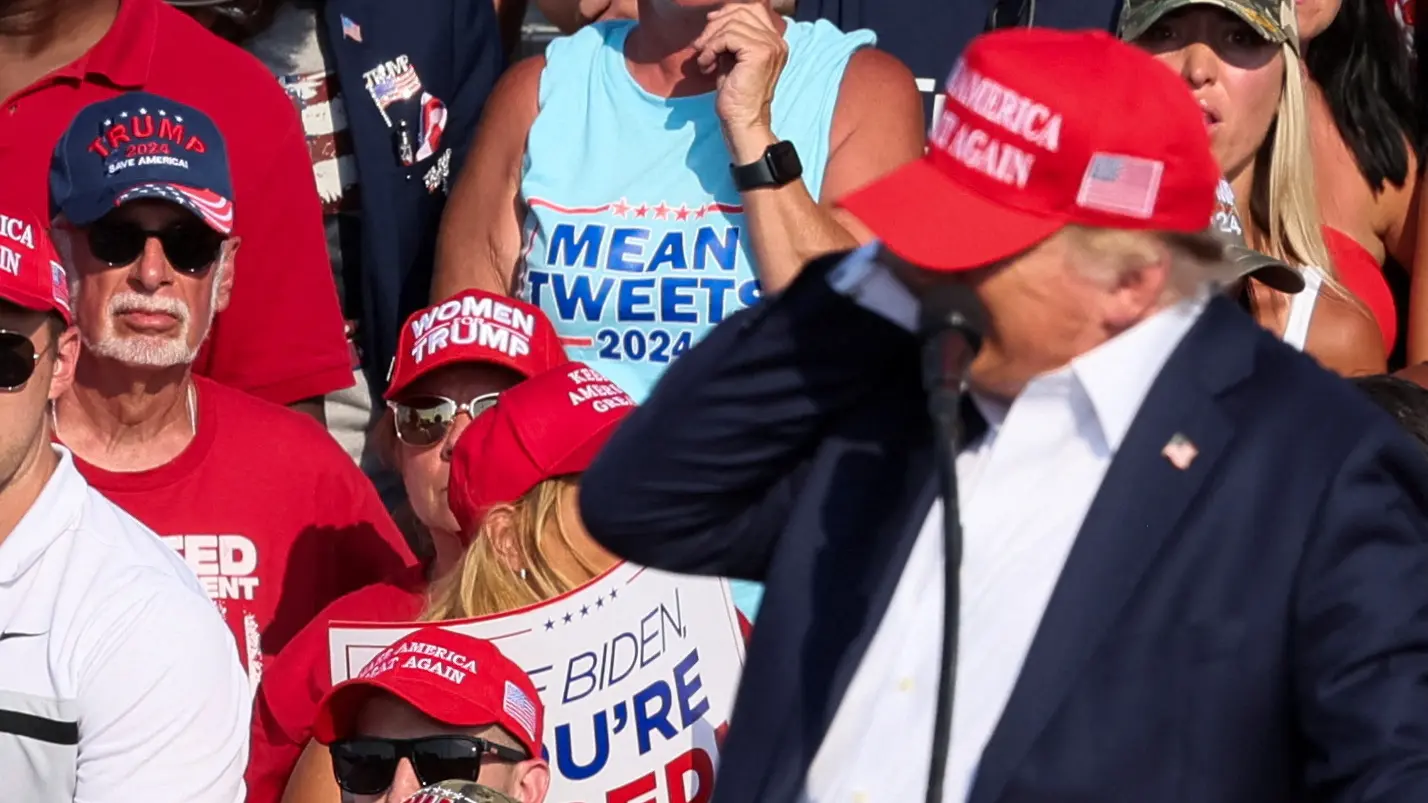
(281, 337)
(273, 516)
(297, 680)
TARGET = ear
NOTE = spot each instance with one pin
(226, 261)
(530, 781)
(1137, 292)
(66, 355)
(500, 531)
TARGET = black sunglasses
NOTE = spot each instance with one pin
(367, 765)
(190, 247)
(17, 360)
(425, 420)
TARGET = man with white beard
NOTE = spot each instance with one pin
(265, 507)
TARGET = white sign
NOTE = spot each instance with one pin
(637, 669)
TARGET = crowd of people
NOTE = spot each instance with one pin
(315, 312)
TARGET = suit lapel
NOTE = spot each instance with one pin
(1140, 501)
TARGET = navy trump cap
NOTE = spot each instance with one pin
(139, 145)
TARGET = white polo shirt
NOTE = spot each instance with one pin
(118, 679)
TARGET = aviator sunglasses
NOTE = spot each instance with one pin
(189, 247)
(425, 420)
(17, 360)
(367, 765)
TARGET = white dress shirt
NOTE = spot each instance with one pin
(1024, 489)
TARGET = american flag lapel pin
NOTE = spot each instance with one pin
(1180, 451)
(351, 30)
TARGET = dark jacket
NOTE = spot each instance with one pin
(455, 46)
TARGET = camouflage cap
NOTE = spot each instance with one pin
(458, 792)
(1225, 226)
(1274, 20)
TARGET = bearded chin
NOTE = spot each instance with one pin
(144, 351)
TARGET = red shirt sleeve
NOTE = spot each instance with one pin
(348, 542)
(382, 553)
(281, 337)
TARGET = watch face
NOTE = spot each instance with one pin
(783, 157)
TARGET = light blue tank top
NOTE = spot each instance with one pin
(635, 241)
(635, 236)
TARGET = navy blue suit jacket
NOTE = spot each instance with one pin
(455, 46)
(1252, 628)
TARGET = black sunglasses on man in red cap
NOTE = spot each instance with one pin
(453, 679)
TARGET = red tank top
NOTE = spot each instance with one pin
(1362, 275)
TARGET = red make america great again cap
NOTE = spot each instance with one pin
(1041, 129)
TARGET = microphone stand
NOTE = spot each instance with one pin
(952, 321)
(943, 405)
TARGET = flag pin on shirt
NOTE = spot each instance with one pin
(1180, 451)
(351, 30)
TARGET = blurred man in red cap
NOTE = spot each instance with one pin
(1192, 560)
(435, 706)
(118, 680)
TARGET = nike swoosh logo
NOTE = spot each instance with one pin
(4, 636)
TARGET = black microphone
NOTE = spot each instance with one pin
(951, 324)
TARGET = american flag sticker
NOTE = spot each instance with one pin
(1180, 451)
(59, 285)
(520, 708)
(1121, 185)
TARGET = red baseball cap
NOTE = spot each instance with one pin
(30, 271)
(476, 327)
(453, 678)
(548, 426)
(1044, 128)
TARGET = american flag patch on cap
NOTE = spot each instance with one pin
(520, 708)
(1121, 185)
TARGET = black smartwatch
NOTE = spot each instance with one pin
(779, 166)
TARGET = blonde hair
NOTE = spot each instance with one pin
(506, 566)
(1283, 201)
(1194, 259)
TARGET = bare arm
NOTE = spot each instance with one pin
(480, 238)
(1412, 252)
(1345, 339)
(877, 127)
(312, 781)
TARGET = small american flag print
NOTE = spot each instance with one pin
(399, 87)
(520, 708)
(351, 30)
(1121, 185)
(1180, 451)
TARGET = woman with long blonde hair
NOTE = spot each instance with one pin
(1241, 60)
